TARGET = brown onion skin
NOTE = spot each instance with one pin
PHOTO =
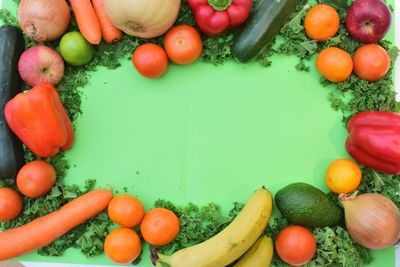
(44, 20)
(372, 220)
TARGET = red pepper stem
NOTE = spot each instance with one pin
(220, 5)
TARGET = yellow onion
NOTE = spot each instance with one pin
(372, 220)
(143, 18)
(44, 20)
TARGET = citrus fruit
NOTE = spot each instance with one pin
(343, 176)
(126, 211)
(335, 64)
(122, 245)
(321, 22)
(75, 49)
(160, 226)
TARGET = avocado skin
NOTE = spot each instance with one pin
(304, 204)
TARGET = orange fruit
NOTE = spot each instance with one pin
(10, 204)
(122, 245)
(335, 64)
(160, 227)
(126, 211)
(343, 176)
(36, 178)
(371, 62)
(321, 22)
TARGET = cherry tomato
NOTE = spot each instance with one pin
(183, 44)
(295, 245)
(150, 60)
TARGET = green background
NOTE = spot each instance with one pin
(205, 134)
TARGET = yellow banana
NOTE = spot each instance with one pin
(259, 255)
(230, 243)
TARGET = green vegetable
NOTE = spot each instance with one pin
(11, 48)
(8, 18)
(387, 185)
(262, 27)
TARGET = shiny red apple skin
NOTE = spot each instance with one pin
(41, 64)
(368, 21)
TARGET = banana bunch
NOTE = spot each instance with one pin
(232, 242)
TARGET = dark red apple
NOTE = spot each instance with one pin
(41, 64)
(368, 21)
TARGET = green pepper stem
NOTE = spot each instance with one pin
(220, 5)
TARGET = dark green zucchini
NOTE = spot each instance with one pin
(11, 48)
(262, 27)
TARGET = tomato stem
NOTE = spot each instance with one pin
(220, 5)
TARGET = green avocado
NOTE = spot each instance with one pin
(306, 205)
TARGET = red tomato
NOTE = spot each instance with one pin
(295, 245)
(371, 62)
(36, 178)
(183, 44)
(150, 60)
(10, 204)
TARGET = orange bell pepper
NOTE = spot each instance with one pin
(39, 119)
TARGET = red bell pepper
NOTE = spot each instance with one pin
(214, 17)
(374, 140)
(39, 119)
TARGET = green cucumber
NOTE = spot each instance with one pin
(11, 48)
(262, 27)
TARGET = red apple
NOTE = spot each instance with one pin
(41, 64)
(368, 21)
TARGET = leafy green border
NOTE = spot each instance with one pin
(335, 246)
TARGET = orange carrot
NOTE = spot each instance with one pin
(86, 18)
(44, 230)
(109, 32)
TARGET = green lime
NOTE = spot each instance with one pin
(75, 49)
